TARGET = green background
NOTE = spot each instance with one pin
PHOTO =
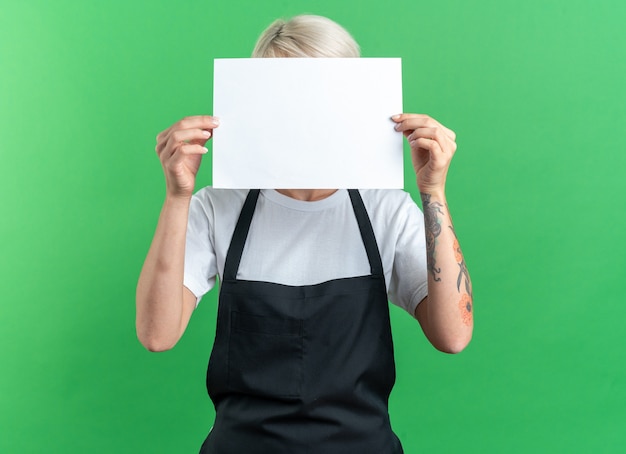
(535, 92)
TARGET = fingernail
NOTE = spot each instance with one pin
(395, 117)
(216, 121)
(397, 127)
(206, 133)
(205, 150)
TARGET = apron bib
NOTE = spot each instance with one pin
(302, 369)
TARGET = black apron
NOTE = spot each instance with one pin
(302, 369)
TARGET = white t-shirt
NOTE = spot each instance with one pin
(294, 242)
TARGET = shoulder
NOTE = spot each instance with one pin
(215, 195)
(393, 212)
(393, 196)
(210, 206)
(388, 202)
(210, 199)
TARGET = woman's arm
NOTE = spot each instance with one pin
(164, 305)
(446, 314)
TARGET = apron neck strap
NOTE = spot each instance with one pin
(238, 241)
(367, 232)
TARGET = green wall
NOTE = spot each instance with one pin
(535, 92)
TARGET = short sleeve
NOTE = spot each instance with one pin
(200, 257)
(409, 278)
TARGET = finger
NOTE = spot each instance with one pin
(450, 133)
(191, 149)
(414, 121)
(434, 126)
(420, 133)
(204, 122)
(190, 135)
(198, 122)
(405, 122)
(179, 137)
(431, 153)
(433, 134)
(182, 151)
(403, 116)
(432, 146)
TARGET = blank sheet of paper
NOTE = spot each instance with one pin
(307, 123)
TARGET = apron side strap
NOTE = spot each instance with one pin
(238, 240)
(367, 232)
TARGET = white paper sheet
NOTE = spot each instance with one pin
(307, 123)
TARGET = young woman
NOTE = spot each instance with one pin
(303, 355)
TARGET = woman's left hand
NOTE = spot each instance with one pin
(432, 148)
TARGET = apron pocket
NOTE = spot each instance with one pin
(265, 355)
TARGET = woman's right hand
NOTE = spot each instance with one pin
(180, 149)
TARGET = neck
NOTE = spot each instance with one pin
(308, 195)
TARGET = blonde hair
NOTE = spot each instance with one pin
(306, 36)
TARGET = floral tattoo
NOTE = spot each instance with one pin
(465, 303)
(432, 224)
(465, 306)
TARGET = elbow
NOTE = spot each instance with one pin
(452, 349)
(453, 346)
(156, 346)
(154, 343)
(155, 335)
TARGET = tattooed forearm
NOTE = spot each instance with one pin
(432, 224)
(465, 306)
(463, 274)
(466, 301)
